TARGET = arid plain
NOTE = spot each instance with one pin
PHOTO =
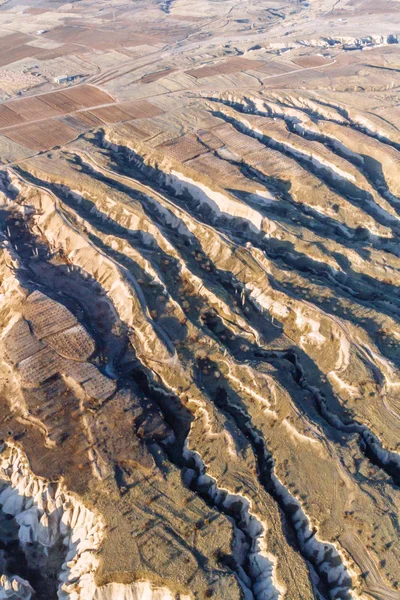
(199, 300)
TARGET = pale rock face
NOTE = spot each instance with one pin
(15, 588)
(135, 591)
(44, 516)
(39, 523)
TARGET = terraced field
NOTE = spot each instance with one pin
(199, 310)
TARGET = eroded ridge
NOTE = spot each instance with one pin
(49, 519)
(220, 310)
